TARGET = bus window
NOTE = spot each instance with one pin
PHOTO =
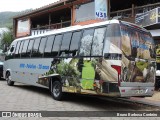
(86, 42)
(97, 46)
(56, 45)
(17, 49)
(20, 49)
(29, 50)
(112, 39)
(23, 53)
(35, 47)
(42, 45)
(75, 43)
(113, 33)
(131, 42)
(65, 44)
(11, 51)
(49, 44)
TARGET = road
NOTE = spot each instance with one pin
(29, 98)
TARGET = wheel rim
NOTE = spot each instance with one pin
(56, 90)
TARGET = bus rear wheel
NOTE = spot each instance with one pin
(56, 90)
(8, 79)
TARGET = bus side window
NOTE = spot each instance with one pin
(35, 52)
(56, 45)
(17, 49)
(20, 49)
(97, 46)
(42, 46)
(49, 44)
(112, 38)
(29, 49)
(23, 53)
(86, 42)
(65, 44)
(75, 43)
(11, 51)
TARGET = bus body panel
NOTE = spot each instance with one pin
(27, 70)
(84, 75)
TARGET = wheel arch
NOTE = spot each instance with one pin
(7, 71)
(54, 78)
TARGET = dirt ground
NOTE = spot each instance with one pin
(155, 97)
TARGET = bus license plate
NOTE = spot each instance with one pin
(139, 91)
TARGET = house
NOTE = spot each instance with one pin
(64, 13)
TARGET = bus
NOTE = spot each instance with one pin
(110, 58)
(157, 82)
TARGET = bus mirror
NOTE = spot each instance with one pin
(12, 48)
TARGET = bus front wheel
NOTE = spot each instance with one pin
(9, 81)
(56, 90)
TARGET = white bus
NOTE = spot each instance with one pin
(111, 58)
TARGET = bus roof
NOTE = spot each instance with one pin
(134, 26)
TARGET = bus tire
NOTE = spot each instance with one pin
(8, 79)
(56, 90)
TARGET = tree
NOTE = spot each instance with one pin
(7, 38)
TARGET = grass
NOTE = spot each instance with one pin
(88, 75)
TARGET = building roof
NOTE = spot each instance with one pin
(46, 7)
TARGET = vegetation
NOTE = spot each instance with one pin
(66, 69)
(7, 38)
(6, 18)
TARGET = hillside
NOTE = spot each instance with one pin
(6, 18)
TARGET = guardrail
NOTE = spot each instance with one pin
(46, 28)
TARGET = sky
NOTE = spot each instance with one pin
(20, 5)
